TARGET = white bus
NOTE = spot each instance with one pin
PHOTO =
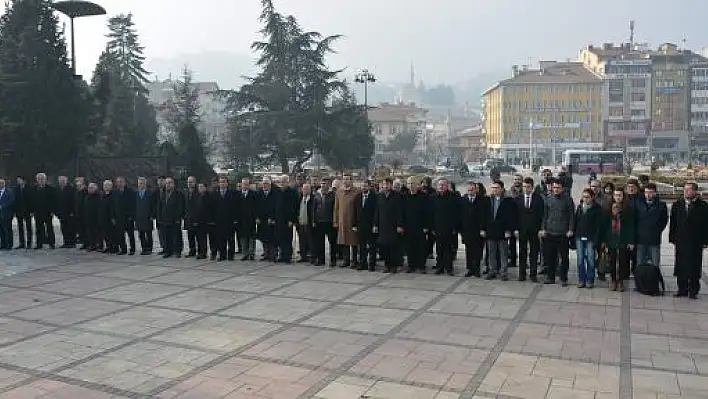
(586, 161)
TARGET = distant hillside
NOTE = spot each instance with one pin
(224, 68)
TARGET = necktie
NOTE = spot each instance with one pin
(363, 201)
(528, 202)
(244, 194)
(496, 206)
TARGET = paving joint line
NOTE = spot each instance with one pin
(625, 371)
(486, 366)
(344, 367)
(283, 327)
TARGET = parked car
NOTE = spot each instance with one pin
(419, 169)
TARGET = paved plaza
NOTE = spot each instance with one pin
(80, 325)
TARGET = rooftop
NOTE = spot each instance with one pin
(394, 112)
(550, 72)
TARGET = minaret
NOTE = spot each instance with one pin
(412, 75)
(631, 35)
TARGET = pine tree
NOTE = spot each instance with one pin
(44, 110)
(125, 119)
(184, 118)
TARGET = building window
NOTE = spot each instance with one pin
(616, 85)
(616, 98)
(638, 112)
(639, 83)
(616, 111)
(639, 97)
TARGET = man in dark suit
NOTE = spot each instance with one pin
(388, 223)
(23, 212)
(144, 216)
(416, 223)
(364, 211)
(446, 214)
(689, 216)
(7, 199)
(530, 209)
(79, 213)
(225, 216)
(268, 212)
(65, 207)
(475, 208)
(44, 208)
(125, 216)
(202, 217)
(286, 218)
(171, 211)
(501, 223)
(304, 224)
(92, 216)
(247, 215)
(190, 224)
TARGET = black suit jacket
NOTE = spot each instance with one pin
(504, 221)
(364, 215)
(529, 220)
(474, 216)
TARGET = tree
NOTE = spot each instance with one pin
(183, 118)
(125, 48)
(44, 109)
(125, 119)
(345, 139)
(280, 108)
(403, 143)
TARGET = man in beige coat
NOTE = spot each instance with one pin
(343, 220)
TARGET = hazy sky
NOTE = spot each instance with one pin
(446, 40)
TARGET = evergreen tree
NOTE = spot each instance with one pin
(183, 118)
(345, 141)
(290, 92)
(125, 119)
(44, 109)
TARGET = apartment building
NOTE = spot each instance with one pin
(541, 112)
(699, 106)
(389, 120)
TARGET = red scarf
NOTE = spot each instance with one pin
(615, 223)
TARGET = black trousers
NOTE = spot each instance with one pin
(513, 253)
(145, 240)
(529, 247)
(213, 237)
(474, 248)
(192, 239)
(688, 285)
(304, 236)
(24, 230)
(123, 229)
(321, 231)
(92, 237)
(161, 236)
(173, 239)
(6, 235)
(200, 236)
(391, 254)
(108, 235)
(239, 244)
(556, 246)
(285, 242)
(367, 248)
(416, 251)
(444, 252)
(227, 242)
(79, 229)
(68, 230)
(45, 231)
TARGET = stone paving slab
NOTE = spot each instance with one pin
(85, 325)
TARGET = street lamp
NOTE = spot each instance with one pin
(76, 9)
(365, 77)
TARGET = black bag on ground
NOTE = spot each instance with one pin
(648, 280)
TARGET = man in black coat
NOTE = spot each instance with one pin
(416, 224)
(304, 224)
(65, 208)
(446, 215)
(144, 215)
(190, 223)
(224, 213)
(652, 216)
(286, 218)
(689, 216)
(79, 214)
(529, 208)
(124, 216)
(202, 217)
(474, 210)
(267, 219)
(92, 216)
(23, 212)
(388, 224)
(323, 215)
(501, 222)
(106, 218)
(160, 196)
(247, 215)
(44, 207)
(364, 211)
(171, 213)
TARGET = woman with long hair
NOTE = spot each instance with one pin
(618, 238)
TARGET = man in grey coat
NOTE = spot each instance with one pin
(556, 230)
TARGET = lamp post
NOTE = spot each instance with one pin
(77, 9)
(365, 77)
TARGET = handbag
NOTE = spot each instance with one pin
(602, 263)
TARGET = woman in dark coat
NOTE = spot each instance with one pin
(618, 237)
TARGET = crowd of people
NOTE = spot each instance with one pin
(527, 225)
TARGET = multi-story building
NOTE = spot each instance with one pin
(389, 120)
(468, 145)
(542, 112)
(627, 94)
(699, 106)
